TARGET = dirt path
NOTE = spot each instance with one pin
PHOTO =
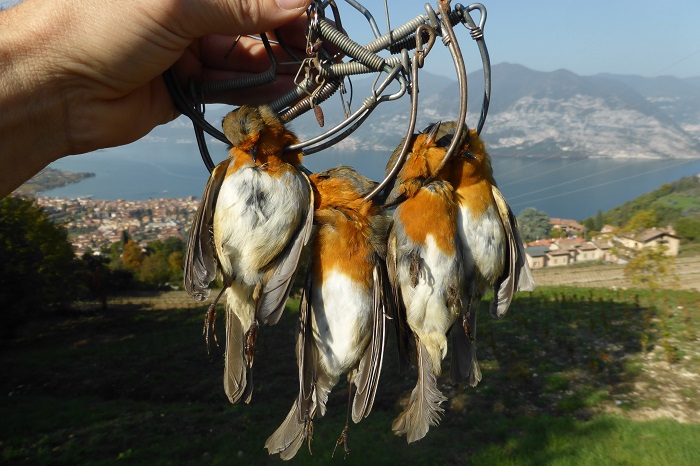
(687, 269)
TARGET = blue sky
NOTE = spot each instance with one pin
(586, 37)
(643, 37)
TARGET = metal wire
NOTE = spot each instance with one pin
(322, 74)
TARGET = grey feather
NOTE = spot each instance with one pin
(403, 331)
(289, 436)
(200, 258)
(473, 375)
(367, 377)
(423, 408)
(516, 274)
(236, 373)
(276, 289)
(460, 363)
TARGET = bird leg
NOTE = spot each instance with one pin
(210, 321)
(251, 337)
(343, 439)
(465, 323)
(309, 432)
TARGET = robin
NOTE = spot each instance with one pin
(492, 249)
(425, 266)
(477, 224)
(342, 308)
(255, 216)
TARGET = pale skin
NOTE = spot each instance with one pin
(80, 75)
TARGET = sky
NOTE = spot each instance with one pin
(647, 38)
(642, 37)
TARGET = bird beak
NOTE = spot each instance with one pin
(466, 153)
(432, 134)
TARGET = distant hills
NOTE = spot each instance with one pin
(532, 113)
(669, 203)
(50, 178)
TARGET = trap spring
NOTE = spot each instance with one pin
(320, 73)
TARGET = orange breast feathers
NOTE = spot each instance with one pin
(431, 213)
(270, 162)
(342, 242)
(472, 178)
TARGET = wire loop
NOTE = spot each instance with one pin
(320, 74)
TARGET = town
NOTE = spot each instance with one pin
(95, 224)
(610, 245)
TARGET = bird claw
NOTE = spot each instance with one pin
(210, 326)
(309, 433)
(251, 337)
(466, 326)
(343, 440)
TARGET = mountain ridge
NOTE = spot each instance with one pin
(532, 113)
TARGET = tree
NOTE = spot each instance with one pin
(688, 228)
(533, 224)
(641, 220)
(132, 256)
(154, 271)
(651, 267)
(598, 223)
(38, 268)
(96, 276)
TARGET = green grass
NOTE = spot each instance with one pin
(134, 386)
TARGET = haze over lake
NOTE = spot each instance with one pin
(567, 188)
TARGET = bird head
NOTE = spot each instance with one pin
(470, 156)
(258, 131)
(341, 188)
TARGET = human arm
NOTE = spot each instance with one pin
(76, 76)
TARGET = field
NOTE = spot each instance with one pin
(686, 275)
(579, 376)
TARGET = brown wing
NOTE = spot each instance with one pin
(281, 275)
(200, 260)
(305, 351)
(516, 274)
(367, 377)
(403, 331)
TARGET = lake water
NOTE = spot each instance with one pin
(566, 188)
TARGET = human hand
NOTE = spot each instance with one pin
(84, 75)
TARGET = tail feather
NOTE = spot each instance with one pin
(240, 315)
(235, 369)
(289, 436)
(423, 408)
(366, 377)
(459, 366)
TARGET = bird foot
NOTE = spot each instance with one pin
(466, 326)
(210, 326)
(309, 433)
(343, 440)
(251, 337)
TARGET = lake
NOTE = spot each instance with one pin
(565, 188)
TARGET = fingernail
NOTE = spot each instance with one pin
(292, 4)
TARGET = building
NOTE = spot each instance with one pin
(652, 237)
(571, 227)
(560, 252)
(536, 256)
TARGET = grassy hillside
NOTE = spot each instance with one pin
(571, 376)
(669, 203)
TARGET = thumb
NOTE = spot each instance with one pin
(203, 17)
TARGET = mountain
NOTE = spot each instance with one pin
(532, 113)
(679, 98)
(561, 113)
